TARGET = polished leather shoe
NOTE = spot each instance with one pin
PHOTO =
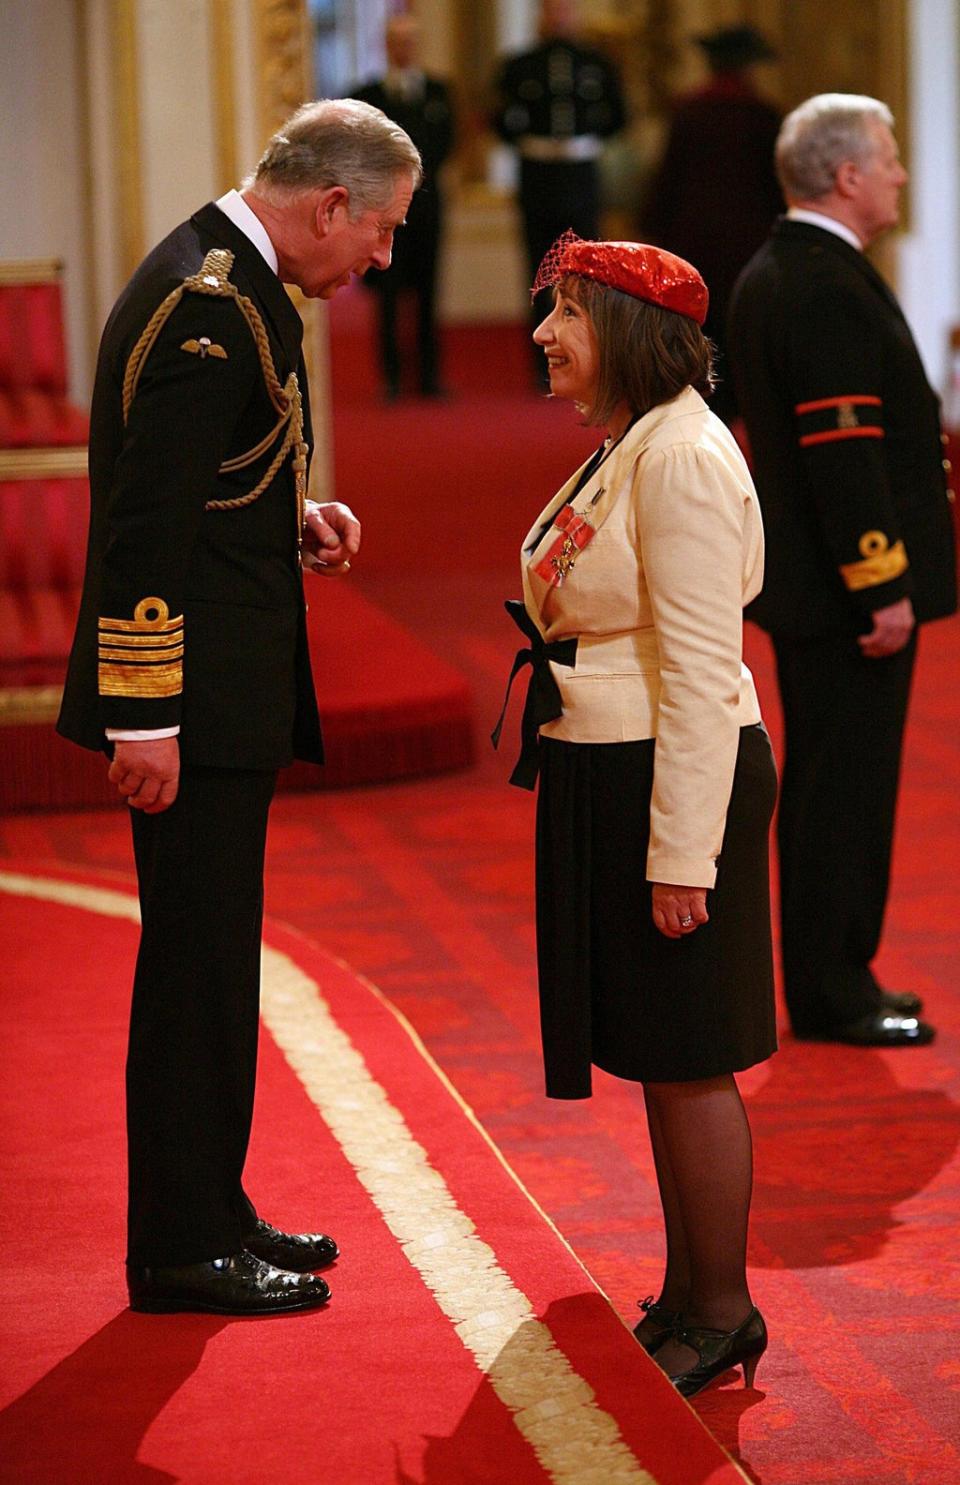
(299, 1251)
(661, 1324)
(900, 1002)
(238, 1285)
(719, 1350)
(879, 1029)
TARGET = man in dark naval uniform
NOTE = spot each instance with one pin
(847, 450)
(190, 664)
(557, 103)
(420, 104)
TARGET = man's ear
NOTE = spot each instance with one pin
(331, 208)
(847, 178)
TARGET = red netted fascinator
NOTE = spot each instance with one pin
(636, 268)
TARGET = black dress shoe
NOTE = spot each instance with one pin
(238, 1285)
(661, 1324)
(299, 1251)
(879, 1029)
(719, 1350)
(901, 1002)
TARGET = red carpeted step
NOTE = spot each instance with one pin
(390, 707)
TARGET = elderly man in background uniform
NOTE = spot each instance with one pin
(190, 664)
(556, 104)
(421, 105)
(847, 450)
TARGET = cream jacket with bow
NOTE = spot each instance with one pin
(655, 601)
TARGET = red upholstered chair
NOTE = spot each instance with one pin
(44, 510)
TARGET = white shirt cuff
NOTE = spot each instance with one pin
(153, 734)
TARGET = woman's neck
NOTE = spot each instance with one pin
(620, 420)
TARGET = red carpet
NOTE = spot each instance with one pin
(426, 888)
(464, 1343)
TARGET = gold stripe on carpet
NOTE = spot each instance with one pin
(576, 1442)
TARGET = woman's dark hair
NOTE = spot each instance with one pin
(647, 354)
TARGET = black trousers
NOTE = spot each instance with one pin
(414, 268)
(192, 1057)
(844, 717)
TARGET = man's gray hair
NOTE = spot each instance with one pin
(817, 137)
(338, 142)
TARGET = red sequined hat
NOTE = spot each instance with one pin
(636, 268)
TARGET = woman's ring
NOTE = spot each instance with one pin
(685, 922)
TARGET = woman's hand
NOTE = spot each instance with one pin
(679, 910)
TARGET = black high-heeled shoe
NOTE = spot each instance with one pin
(667, 1320)
(719, 1350)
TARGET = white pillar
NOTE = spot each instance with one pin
(929, 260)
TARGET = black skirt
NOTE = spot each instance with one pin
(614, 991)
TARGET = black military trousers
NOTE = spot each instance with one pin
(192, 1057)
(414, 268)
(844, 717)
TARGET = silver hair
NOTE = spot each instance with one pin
(817, 137)
(338, 142)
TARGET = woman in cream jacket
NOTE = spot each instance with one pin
(657, 781)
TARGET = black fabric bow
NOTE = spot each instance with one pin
(543, 703)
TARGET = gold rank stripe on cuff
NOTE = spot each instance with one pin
(880, 563)
(143, 656)
(833, 419)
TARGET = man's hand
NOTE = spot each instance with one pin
(331, 537)
(678, 911)
(147, 773)
(892, 628)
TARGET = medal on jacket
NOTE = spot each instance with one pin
(576, 532)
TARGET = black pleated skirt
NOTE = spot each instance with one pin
(615, 993)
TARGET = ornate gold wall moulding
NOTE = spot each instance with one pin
(24, 706)
(31, 271)
(283, 57)
(43, 464)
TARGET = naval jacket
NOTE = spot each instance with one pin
(192, 612)
(845, 435)
(654, 599)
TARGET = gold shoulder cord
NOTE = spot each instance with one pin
(213, 278)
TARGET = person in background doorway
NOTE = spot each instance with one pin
(421, 105)
(556, 104)
(715, 195)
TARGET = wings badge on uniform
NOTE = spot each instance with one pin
(204, 347)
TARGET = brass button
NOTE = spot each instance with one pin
(944, 439)
(947, 466)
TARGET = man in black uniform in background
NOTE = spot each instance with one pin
(421, 106)
(190, 664)
(557, 103)
(847, 450)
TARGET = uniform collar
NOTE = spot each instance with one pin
(241, 215)
(826, 224)
(271, 294)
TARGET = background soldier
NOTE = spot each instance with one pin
(190, 664)
(715, 195)
(421, 106)
(845, 434)
(557, 103)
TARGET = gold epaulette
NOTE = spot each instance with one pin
(213, 278)
(880, 563)
(143, 656)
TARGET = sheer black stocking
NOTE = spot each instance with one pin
(704, 1162)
